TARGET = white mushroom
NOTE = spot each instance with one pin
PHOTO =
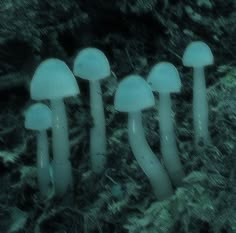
(134, 95)
(198, 55)
(39, 117)
(164, 79)
(54, 81)
(91, 64)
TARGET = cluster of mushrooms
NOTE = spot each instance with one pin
(54, 81)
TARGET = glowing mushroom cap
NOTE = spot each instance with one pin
(133, 94)
(91, 64)
(197, 54)
(164, 78)
(52, 80)
(38, 117)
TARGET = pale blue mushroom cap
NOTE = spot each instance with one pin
(52, 80)
(197, 54)
(133, 94)
(164, 78)
(91, 64)
(38, 117)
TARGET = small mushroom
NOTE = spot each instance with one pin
(198, 55)
(134, 95)
(164, 79)
(39, 117)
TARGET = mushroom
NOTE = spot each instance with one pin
(134, 95)
(198, 55)
(91, 64)
(39, 117)
(164, 79)
(54, 81)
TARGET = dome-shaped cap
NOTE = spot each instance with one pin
(38, 117)
(197, 54)
(133, 94)
(52, 80)
(91, 64)
(164, 78)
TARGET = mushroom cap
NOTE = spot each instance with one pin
(91, 64)
(38, 117)
(197, 54)
(133, 94)
(52, 80)
(164, 78)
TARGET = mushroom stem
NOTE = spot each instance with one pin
(146, 158)
(43, 165)
(98, 131)
(168, 143)
(62, 176)
(200, 107)
(62, 171)
(60, 136)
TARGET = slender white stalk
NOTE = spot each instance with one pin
(168, 143)
(62, 171)
(98, 131)
(62, 176)
(200, 107)
(146, 158)
(60, 139)
(43, 165)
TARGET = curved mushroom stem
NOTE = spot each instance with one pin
(43, 165)
(61, 148)
(200, 107)
(146, 158)
(168, 143)
(98, 131)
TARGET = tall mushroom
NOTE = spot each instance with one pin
(134, 95)
(198, 55)
(164, 79)
(54, 81)
(91, 64)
